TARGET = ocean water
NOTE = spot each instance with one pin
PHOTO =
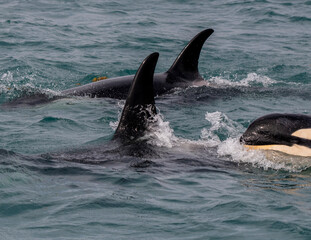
(61, 177)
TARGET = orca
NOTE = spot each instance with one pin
(139, 108)
(287, 133)
(127, 143)
(182, 73)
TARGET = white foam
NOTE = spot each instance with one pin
(7, 77)
(255, 78)
(238, 153)
(161, 134)
(115, 124)
(251, 79)
(9, 86)
(260, 158)
(220, 125)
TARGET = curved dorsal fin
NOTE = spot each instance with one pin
(186, 64)
(139, 105)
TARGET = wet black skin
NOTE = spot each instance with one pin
(277, 129)
(117, 88)
(139, 107)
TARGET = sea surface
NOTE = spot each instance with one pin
(62, 178)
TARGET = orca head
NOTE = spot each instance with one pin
(277, 129)
(139, 107)
(260, 132)
(185, 67)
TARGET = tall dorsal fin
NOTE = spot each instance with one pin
(139, 105)
(186, 64)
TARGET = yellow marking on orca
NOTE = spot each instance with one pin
(303, 133)
(291, 150)
(98, 79)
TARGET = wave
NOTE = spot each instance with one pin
(300, 19)
(260, 80)
(50, 119)
(254, 85)
(222, 138)
(17, 92)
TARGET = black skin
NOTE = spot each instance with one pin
(139, 107)
(117, 88)
(277, 129)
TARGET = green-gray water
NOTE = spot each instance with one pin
(199, 183)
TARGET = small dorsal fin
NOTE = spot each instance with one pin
(186, 64)
(139, 105)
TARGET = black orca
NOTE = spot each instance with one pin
(182, 73)
(139, 107)
(288, 133)
(127, 143)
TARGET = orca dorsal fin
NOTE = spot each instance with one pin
(186, 64)
(139, 105)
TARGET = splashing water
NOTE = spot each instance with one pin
(160, 133)
(251, 80)
(229, 131)
(13, 89)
